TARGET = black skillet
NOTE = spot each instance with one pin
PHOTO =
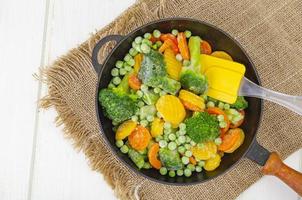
(219, 40)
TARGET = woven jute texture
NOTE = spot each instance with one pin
(269, 30)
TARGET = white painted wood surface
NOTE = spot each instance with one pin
(36, 161)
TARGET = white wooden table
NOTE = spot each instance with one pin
(36, 162)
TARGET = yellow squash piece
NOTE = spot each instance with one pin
(157, 127)
(173, 65)
(222, 55)
(224, 77)
(125, 129)
(191, 101)
(205, 151)
(212, 163)
(138, 58)
(237, 144)
(171, 108)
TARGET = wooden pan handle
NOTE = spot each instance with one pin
(274, 166)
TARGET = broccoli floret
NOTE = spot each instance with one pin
(193, 81)
(240, 103)
(152, 68)
(118, 104)
(191, 77)
(170, 159)
(202, 127)
(137, 158)
(170, 85)
(153, 73)
(150, 98)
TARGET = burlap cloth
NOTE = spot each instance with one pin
(269, 30)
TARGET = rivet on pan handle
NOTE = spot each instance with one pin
(97, 66)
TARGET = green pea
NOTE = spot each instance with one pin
(127, 57)
(147, 165)
(143, 152)
(182, 139)
(147, 42)
(218, 141)
(163, 171)
(167, 125)
(134, 44)
(147, 35)
(191, 167)
(185, 160)
(123, 71)
(111, 85)
(188, 139)
(182, 132)
(119, 143)
(145, 48)
(188, 146)
(174, 32)
(180, 172)
(119, 64)
(159, 138)
(220, 105)
(172, 137)
(222, 124)
(131, 62)
(140, 104)
(162, 143)
(220, 118)
(114, 72)
(226, 106)
(132, 52)
(124, 149)
(150, 118)
(144, 123)
(172, 173)
(139, 93)
(198, 169)
(128, 68)
(172, 146)
(188, 153)
(156, 33)
(116, 80)
(138, 39)
(182, 126)
(134, 118)
(181, 149)
(166, 137)
(187, 172)
(201, 163)
(188, 34)
(144, 88)
(158, 43)
(210, 104)
(192, 143)
(138, 48)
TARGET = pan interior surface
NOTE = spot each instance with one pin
(219, 40)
